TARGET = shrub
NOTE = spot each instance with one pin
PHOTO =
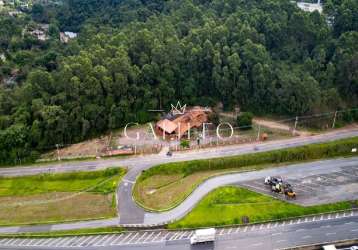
(244, 120)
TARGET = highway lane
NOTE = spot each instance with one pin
(292, 171)
(146, 219)
(130, 213)
(267, 237)
(143, 162)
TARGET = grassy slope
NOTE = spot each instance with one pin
(227, 205)
(85, 231)
(58, 197)
(165, 186)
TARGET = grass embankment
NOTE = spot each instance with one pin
(78, 232)
(61, 197)
(227, 206)
(167, 185)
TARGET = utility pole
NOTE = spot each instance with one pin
(58, 152)
(258, 133)
(334, 119)
(294, 129)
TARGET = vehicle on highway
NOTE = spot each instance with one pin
(203, 235)
(169, 153)
(329, 247)
(269, 180)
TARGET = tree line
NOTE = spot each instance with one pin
(268, 57)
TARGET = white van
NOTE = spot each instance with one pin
(203, 235)
(329, 247)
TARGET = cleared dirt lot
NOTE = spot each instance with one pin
(316, 189)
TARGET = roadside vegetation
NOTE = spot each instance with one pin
(59, 197)
(167, 185)
(228, 206)
(60, 233)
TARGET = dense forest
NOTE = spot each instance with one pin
(267, 56)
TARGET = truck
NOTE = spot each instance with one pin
(203, 235)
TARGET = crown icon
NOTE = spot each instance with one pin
(178, 109)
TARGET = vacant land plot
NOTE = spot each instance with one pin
(316, 189)
(228, 205)
(59, 197)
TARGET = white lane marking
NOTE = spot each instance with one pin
(245, 229)
(257, 244)
(221, 232)
(21, 241)
(60, 242)
(79, 241)
(165, 236)
(118, 237)
(93, 240)
(53, 241)
(8, 241)
(149, 236)
(230, 230)
(99, 243)
(291, 221)
(300, 230)
(307, 237)
(280, 241)
(178, 236)
(237, 230)
(40, 242)
(3, 240)
(321, 217)
(125, 238)
(157, 236)
(72, 242)
(354, 230)
(129, 241)
(109, 240)
(46, 242)
(173, 236)
(327, 234)
(314, 218)
(261, 226)
(348, 223)
(274, 234)
(337, 215)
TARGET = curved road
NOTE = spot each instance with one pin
(132, 215)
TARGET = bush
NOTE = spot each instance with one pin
(308, 152)
(184, 144)
(244, 120)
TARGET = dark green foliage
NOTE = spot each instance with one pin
(244, 120)
(303, 153)
(264, 56)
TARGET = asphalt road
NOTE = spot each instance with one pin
(139, 163)
(131, 214)
(265, 237)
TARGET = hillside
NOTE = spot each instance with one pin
(268, 57)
